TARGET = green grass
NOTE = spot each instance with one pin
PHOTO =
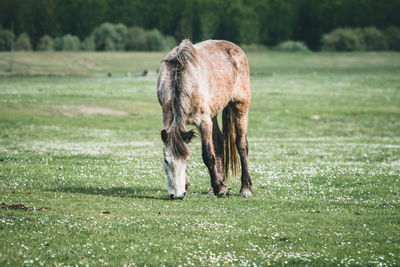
(324, 136)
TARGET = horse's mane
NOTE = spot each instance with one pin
(183, 54)
(177, 61)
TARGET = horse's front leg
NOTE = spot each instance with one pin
(210, 159)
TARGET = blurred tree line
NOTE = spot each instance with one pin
(266, 22)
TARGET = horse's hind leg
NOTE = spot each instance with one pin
(243, 149)
(218, 147)
(212, 155)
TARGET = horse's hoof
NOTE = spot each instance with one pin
(211, 192)
(223, 192)
(246, 192)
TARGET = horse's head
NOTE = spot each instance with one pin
(176, 154)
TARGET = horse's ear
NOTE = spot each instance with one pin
(187, 136)
(164, 136)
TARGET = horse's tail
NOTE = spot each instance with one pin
(231, 156)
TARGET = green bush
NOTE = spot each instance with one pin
(71, 43)
(109, 45)
(374, 39)
(136, 39)
(110, 37)
(23, 43)
(254, 48)
(88, 44)
(170, 42)
(58, 44)
(343, 39)
(361, 39)
(155, 41)
(6, 39)
(45, 43)
(393, 38)
(67, 43)
(292, 46)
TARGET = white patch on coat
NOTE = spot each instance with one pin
(175, 174)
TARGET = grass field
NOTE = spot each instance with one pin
(82, 152)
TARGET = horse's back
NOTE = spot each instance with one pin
(222, 52)
(227, 71)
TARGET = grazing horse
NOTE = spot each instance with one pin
(196, 82)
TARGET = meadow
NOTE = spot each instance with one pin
(81, 151)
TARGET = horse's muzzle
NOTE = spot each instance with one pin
(173, 197)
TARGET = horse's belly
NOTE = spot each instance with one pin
(219, 99)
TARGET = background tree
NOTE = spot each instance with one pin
(6, 39)
(268, 22)
(88, 44)
(45, 43)
(209, 20)
(155, 41)
(393, 38)
(136, 39)
(58, 43)
(110, 36)
(71, 43)
(23, 43)
(374, 39)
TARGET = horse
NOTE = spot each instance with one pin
(194, 84)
